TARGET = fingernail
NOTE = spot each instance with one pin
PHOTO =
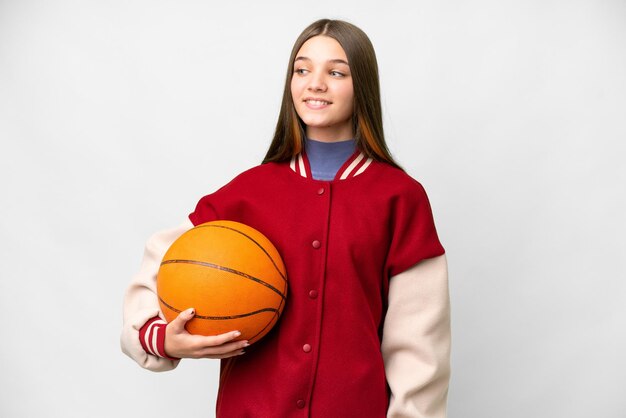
(242, 352)
(191, 311)
(237, 333)
(247, 344)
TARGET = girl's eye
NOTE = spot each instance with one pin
(336, 74)
(300, 70)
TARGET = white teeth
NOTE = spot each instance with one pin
(317, 102)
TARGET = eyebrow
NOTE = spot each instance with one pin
(333, 61)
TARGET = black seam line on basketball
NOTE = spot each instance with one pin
(218, 267)
(276, 315)
(251, 239)
(221, 317)
(264, 328)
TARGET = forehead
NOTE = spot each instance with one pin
(322, 48)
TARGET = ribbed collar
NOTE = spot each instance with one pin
(356, 164)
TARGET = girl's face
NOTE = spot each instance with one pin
(321, 88)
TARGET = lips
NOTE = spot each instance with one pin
(316, 103)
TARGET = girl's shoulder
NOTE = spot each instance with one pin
(396, 179)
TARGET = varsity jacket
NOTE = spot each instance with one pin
(366, 328)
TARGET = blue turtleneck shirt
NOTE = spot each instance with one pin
(326, 158)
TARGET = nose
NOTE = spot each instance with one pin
(317, 83)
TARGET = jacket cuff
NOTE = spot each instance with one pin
(152, 338)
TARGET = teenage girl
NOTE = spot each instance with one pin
(366, 328)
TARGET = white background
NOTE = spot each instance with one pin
(117, 116)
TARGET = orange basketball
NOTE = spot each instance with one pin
(230, 273)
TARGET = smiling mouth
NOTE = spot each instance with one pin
(317, 102)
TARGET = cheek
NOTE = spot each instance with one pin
(296, 94)
(346, 91)
(347, 94)
(295, 89)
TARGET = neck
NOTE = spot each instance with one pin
(329, 134)
(325, 158)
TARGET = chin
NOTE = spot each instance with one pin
(315, 122)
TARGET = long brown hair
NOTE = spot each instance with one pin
(367, 121)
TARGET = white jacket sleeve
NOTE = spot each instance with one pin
(416, 341)
(141, 302)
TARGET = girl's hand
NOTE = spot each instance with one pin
(180, 343)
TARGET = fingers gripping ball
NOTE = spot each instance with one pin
(230, 273)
